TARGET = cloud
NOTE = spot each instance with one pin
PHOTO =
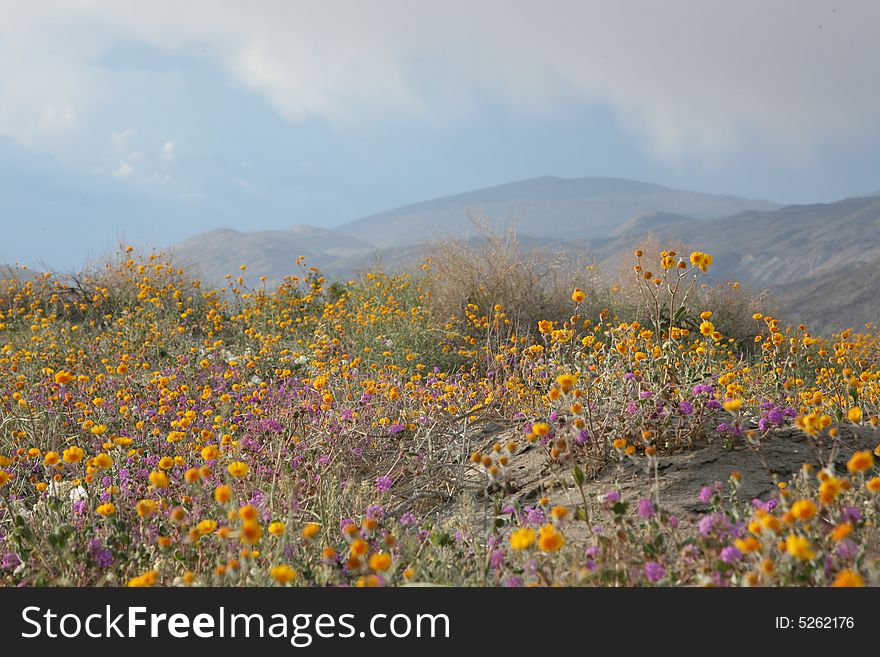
(687, 79)
(124, 170)
(168, 150)
(56, 119)
(119, 138)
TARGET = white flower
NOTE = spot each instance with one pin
(77, 494)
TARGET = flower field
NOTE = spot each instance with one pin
(157, 432)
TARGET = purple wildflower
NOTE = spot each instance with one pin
(612, 497)
(10, 560)
(654, 571)
(101, 555)
(706, 494)
(709, 524)
(730, 554)
(851, 514)
(535, 516)
(847, 549)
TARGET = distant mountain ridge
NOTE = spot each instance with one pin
(271, 253)
(819, 259)
(549, 207)
(544, 209)
(793, 243)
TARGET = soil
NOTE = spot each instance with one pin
(679, 477)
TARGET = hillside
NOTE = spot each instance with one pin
(804, 254)
(815, 258)
(547, 210)
(549, 207)
(846, 297)
(798, 242)
(271, 253)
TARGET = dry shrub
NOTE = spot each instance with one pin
(731, 302)
(529, 282)
(733, 306)
(113, 284)
(627, 282)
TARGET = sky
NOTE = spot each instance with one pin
(149, 122)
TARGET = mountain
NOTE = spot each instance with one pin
(542, 209)
(775, 248)
(547, 207)
(647, 222)
(817, 260)
(271, 253)
(846, 297)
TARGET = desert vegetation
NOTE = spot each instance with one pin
(375, 432)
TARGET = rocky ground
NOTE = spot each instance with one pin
(678, 479)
